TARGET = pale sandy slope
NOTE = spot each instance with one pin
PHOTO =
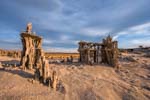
(81, 82)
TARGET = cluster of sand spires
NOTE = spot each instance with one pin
(33, 57)
(106, 52)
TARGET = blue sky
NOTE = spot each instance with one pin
(63, 23)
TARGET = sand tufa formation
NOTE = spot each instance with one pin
(96, 53)
(33, 57)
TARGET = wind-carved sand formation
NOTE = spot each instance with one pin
(33, 57)
(106, 52)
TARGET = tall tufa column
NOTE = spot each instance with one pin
(31, 44)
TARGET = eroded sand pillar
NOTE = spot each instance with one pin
(33, 57)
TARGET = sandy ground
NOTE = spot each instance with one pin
(80, 82)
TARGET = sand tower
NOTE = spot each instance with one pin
(32, 49)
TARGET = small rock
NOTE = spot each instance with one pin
(31, 81)
(0, 65)
(130, 59)
(146, 86)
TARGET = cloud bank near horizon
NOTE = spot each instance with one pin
(62, 23)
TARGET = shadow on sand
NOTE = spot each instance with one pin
(18, 72)
(11, 62)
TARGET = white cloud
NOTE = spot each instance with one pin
(137, 42)
(63, 39)
(115, 37)
(45, 41)
(143, 29)
(57, 49)
(94, 32)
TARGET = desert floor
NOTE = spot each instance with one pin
(80, 82)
